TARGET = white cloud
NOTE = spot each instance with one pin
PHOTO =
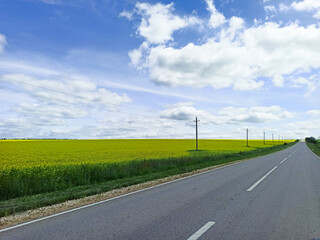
(45, 111)
(305, 5)
(51, 2)
(59, 131)
(213, 63)
(283, 7)
(158, 23)
(271, 11)
(183, 113)
(216, 18)
(317, 14)
(24, 127)
(3, 42)
(314, 112)
(227, 115)
(136, 55)
(278, 80)
(138, 127)
(237, 58)
(236, 24)
(66, 91)
(8, 65)
(303, 128)
(127, 15)
(304, 82)
(62, 2)
(233, 115)
(55, 102)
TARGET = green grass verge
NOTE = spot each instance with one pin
(314, 147)
(129, 173)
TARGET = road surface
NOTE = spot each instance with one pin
(271, 197)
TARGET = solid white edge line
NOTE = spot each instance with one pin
(283, 160)
(261, 179)
(114, 198)
(201, 231)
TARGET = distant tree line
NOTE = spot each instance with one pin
(311, 140)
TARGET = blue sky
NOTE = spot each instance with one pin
(146, 69)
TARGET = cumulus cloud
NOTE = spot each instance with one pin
(158, 22)
(216, 18)
(237, 56)
(305, 5)
(136, 55)
(183, 112)
(263, 51)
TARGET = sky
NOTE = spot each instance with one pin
(113, 69)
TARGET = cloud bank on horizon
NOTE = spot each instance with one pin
(168, 63)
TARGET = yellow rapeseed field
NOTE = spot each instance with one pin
(29, 153)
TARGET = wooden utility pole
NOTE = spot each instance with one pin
(264, 138)
(272, 137)
(196, 132)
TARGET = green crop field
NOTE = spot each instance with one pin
(30, 153)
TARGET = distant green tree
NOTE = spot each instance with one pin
(311, 140)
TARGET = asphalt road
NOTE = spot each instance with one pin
(272, 197)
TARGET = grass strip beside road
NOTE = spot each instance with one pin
(139, 172)
(315, 148)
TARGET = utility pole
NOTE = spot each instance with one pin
(272, 137)
(264, 138)
(247, 137)
(196, 132)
